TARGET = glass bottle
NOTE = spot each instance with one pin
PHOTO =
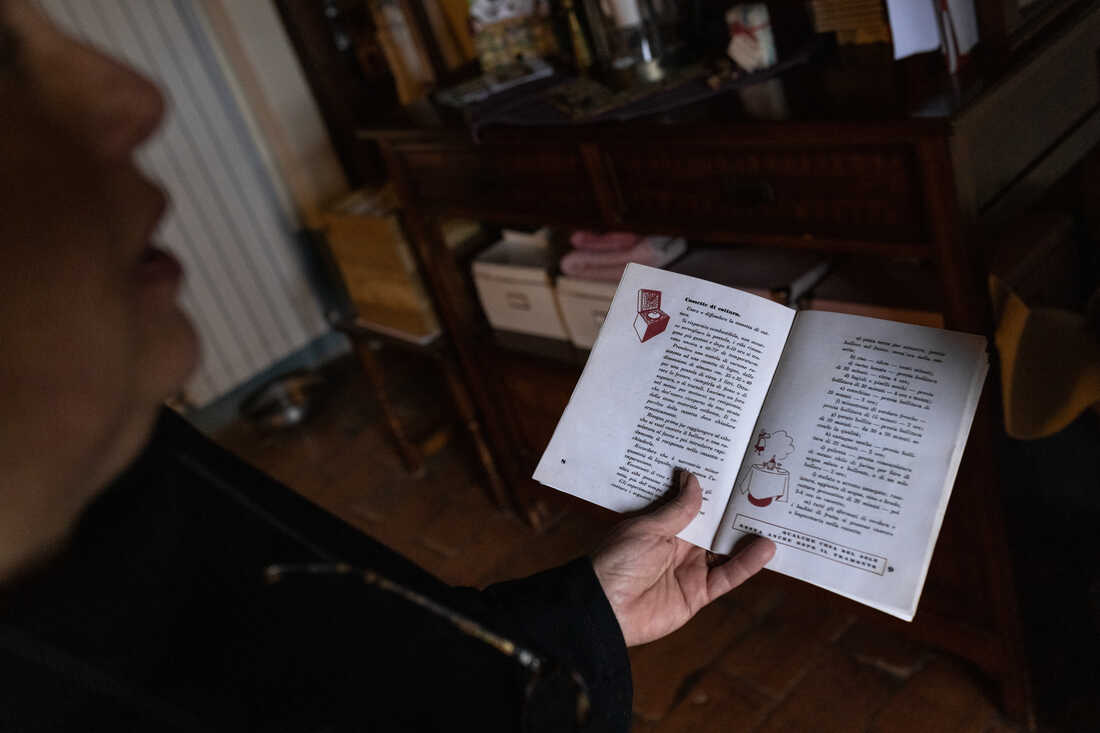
(633, 31)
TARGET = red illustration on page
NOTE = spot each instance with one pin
(768, 481)
(651, 320)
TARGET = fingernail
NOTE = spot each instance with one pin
(684, 476)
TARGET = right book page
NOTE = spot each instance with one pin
(855, 453)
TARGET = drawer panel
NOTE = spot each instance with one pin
(852, 192)
(534, 181)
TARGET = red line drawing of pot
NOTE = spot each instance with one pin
(768, 481)
(651, 320)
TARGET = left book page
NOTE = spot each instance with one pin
(676, 379)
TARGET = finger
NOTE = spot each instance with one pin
(742, 566)
(678, 513)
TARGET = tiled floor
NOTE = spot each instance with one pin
(771, 656)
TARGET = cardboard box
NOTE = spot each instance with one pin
(376, 263)
(584, 305)
(369, 242)
(516, 292)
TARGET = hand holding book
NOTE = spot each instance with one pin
(838, 437)
(657, 582)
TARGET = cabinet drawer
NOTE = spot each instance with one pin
(533, 181)
(852, 192)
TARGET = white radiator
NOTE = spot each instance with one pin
(230, 225)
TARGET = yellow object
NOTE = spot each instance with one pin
(377, 265)
(1050, 364)
(458, 16)
(405, 54)
(855, 22)
(581, 55)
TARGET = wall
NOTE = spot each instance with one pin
(234, 220)
(258, 55)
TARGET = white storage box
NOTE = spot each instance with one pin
(516, 292)
(539, 237)
(584, 305)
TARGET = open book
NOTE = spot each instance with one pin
(837, 436)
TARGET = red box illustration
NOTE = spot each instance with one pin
(651, 320)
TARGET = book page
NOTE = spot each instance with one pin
(855, 454)
(676, 379)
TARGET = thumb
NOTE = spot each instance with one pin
(678, 513)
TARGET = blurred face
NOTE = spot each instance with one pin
(91, 338)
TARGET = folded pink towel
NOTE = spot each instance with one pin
(605, 242)
(609, 266)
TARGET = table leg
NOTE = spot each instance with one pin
(410, 454)
(498, 489)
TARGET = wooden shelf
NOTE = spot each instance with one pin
(870, 161)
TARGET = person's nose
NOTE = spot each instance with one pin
(100, 103)
(124, 107)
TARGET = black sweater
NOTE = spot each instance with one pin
(157, 617)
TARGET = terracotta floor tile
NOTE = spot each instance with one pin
(662, 669)
(944, 691)
(837, 695)
(762, 593)
(885, 650)
(639, 725)
(1003, 727)
(786, 643)
(717, 702)
(498, 543)
(573, 537)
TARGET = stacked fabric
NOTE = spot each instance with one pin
(604, 256)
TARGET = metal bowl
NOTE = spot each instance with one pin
(285, 401)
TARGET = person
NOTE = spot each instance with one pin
(133, 550)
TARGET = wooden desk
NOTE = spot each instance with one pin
(873, 159)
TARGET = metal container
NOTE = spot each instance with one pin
(284, 402)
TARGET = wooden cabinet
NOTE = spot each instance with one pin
(516, 181)
(867, 192)
(913, 177)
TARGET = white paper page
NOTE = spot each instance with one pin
(914, 26)
(680, 387)
(965, 23)
(856, 452)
